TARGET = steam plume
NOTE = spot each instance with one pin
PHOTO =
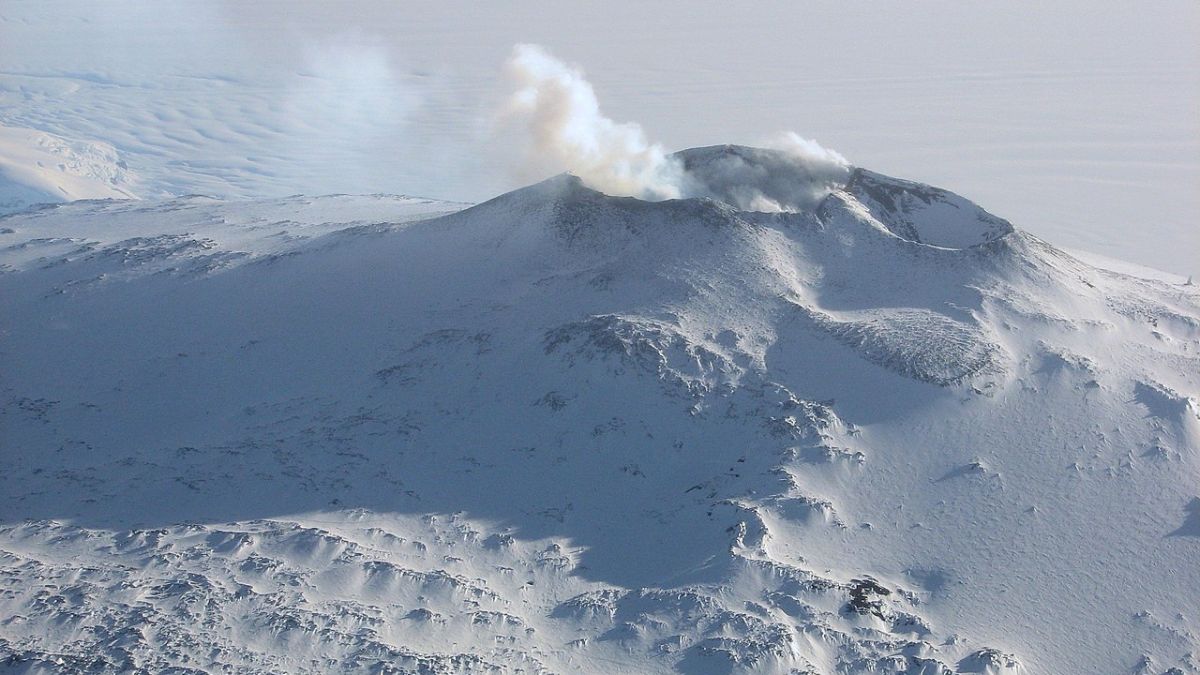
(566, 131)
(808, 150)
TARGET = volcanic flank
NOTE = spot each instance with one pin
(802, 419)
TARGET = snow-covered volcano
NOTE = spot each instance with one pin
(875, 429)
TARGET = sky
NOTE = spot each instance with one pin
(1077, 121)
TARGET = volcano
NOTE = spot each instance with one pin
(808, 420)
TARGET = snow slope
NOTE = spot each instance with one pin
(566, 432)
(38, 168)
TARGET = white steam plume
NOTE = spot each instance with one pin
(807, 150)
(568, 132)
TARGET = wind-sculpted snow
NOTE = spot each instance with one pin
(919, 343)
(270, 596)
(645, 345)
(566, 432)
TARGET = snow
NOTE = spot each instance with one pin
(724, 409)
(38, 168)
(566, 432)
(1126, 267)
